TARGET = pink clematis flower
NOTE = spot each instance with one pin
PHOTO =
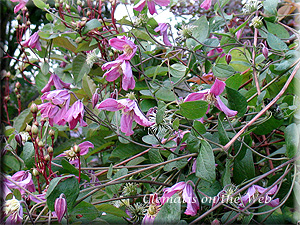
(255, 190)
(71, 154)
(151, 5)
(21, 4)
(125, 45)
(60, 207)
(75, 114)
(55, 81)
(206, 4)
(163, 29)
(23, 179)
(188, 196)
(177, 137)
(57, 97)
(117, 68)
(13, 210)
(212, 96)
(33, 42)
(154, 208)
(130, 112)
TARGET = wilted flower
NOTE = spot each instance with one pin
(254, 191)
(60, 207)
(136, 212)
(57, 82)
(163, 29)
(151, 5)
(130, 112)
(33, 42)
(21, 4)
(206, 4)
(117, 68)
(212, 97)
(125, 45)
(72, 154)
(21, 178)
(250, 6)
(75, 115)
(13, 210)
(153, 210)
(186, 191)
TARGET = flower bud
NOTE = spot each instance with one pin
(82, 23)
(18, 96)
(215, 222)
(228, 58)
(265, 52)
(18, 138)
(35, 172)
(47, 157)
(78, 40)
(95, 99)
(60, 207)
(56, 5)
(6, 98)
(16, 90)
(28, 23)
(84, 19)
(79, 2)
(34, 129)
(50, 149)
(51, 133)
(36, 123)
(27, 14)
(88, 13)
(33, 108)
(67, 7)
(76, 148)
(19, 17)
(28, 128)
(41, 144)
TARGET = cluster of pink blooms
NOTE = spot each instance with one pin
(57, 108)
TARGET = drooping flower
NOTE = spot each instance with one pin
(206, 4)
(55, 81)
(13, 210)
(151, 5)
(130, 112)
(254, 191)
(95, 98)
(21, 4)
(75, 114)
(163, 29)
(125, 45)
(82, 149)
(23, 179)
(186, 191)
(212, 97)
(33, 42)
(154, 208)
(176, 137)
(60, 207)
(57, 97)
(117, 68)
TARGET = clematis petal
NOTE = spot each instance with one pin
(169, 192)
(126, 124)
(274, 202)
(128, 81)
(140, 118)
(221, 106)
(206, 4)
(110, 104)
(218, 87)
(84, 147)
(139, 7)
(192, 201)
(196, 96)
(118, 43)
(112, 74)
(162, 2)
(111, 64)
(151, 7)
(19, 7)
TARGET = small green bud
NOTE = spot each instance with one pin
(34, 129)
(33, 108)
(35, 172)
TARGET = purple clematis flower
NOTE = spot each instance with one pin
(71, 154)
(130, 112)
(75, 114)
(254, 191)
(57, 97)
(163, 29)
(33, 42)
(13, 210)
(21, 4)
(57, 82)
(151, 5)
(188, 195)
(23, 179)
(60, 207)
(206, 4)
(212, 97)
(154, 208)
(117, 68)
(125, 45)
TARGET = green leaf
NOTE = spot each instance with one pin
(111, 210)
(90, 25)
(199, 127)
(227, 173)
(243, 168)
(113, 189)
(88, 85)
(165, 94)
(123, 151)
(170, 212)
(178, 70)
(222, 133)
(87, 212)
(201, 30)
(21, 120)
(236, 101)
(28, 154)
(234, 81)
(160, 112)
(291, 135)
(65, 42)
(276, 43)
(80, 67)
(193, 144)
(277, 30)
(270, 7)
(57, 186)
(206, 168)
(223, 70)
(40, 4)
(70, 168)
(11, 162)
(193, 109)
(154, 156)
(267, 126)
(45, 68)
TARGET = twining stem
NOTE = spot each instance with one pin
(253, 60)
